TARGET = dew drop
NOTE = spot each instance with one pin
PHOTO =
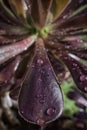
(65, 16)
(85, 88)
(40, 122)
(74, 64)
(52, 43)
(49, 68)
(82, 78)
(50, 111)
(40, 79)
(65, 58)
(42, 101)
(67, 47)
(40, 61)
(22, 112)
(74, 68)
(33, 66)
(41, 98)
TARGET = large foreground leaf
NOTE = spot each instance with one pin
(40, 98)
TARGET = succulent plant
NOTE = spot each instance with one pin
(40, 39)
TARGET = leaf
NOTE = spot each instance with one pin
(10, 39)
(18, 7)
(39, 11)
(59, 6)
(40, 99)
(77, 70)
(71, 10)
(7, 71)
(6, 15)
(78, 97)
(9, 51)
(76, 22)
(58, 67)
(14, 93)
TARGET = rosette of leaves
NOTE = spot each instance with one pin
(39, 39)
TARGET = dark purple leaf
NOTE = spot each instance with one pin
(40, 99)
(76, 22)
(78, 98)
(82, 55)
(7, 74)
(58, 67)
(82, 115)
(78, 71)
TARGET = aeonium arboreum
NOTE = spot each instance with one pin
(34, 36)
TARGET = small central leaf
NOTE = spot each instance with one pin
(44, 31)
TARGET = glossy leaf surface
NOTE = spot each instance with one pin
(78, 71)
(40, 98)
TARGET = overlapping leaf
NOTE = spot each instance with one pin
(39, 11)
(78, 71)
(58, 7)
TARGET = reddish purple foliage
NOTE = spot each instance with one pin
(34, 36)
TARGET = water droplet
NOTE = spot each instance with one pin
(65, 58)
(49, 68)
(33, 66)
(42, 101)
(40, 79)
(41, 98)
(85, 88)
(74, 64)
(40, 122)
(74, 68)
(82, 78)
(22, 112)
(50, 111)
(51, 42)
(65, 16)
(67, 47)
(40, 61)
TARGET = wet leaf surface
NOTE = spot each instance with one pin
(40, 99)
